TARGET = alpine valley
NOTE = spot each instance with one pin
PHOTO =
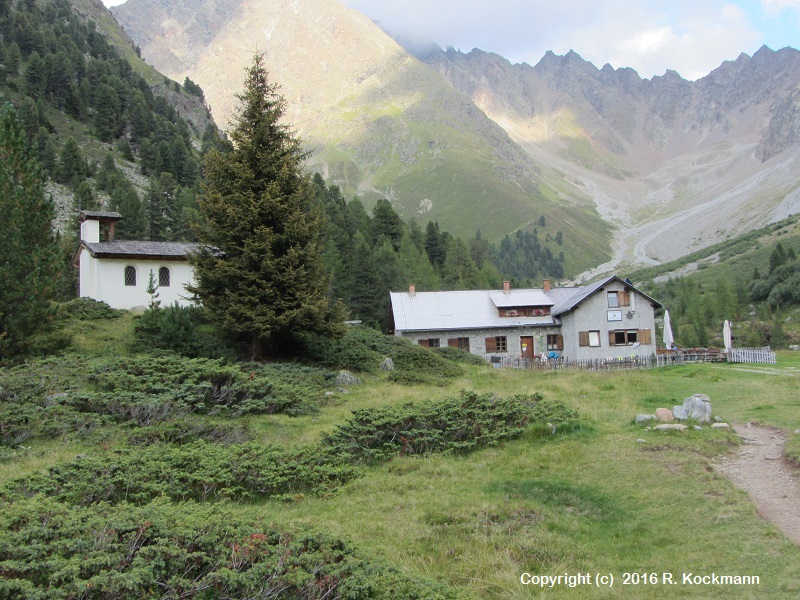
(633, 171)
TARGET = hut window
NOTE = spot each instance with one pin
(130, 276)
(163, 277)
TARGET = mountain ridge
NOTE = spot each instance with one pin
(378, 122)
(671, 164)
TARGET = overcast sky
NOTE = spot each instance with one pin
(691, 37)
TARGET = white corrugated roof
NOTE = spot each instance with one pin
(532, 297)
(474, 309)
(477, 309)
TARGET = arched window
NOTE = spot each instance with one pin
(130, 276)
(163, 277)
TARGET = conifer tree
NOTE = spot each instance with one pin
(261, 273)
(28, 248)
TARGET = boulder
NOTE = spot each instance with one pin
(720, 426)
(347, 378)
(698, 407)
(671, 427)
(387, 364)
(794, 347)
(641, 419)
(55, 399)
(664, 415)
(679, 413)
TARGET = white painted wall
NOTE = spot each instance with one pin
(104, 279)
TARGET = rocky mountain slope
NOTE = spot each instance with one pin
(378, 121)
(672, 165)
(676, 165)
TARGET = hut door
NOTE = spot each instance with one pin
(526, 346)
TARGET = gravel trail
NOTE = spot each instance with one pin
(761, 470)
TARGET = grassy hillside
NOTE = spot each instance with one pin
(587, 497)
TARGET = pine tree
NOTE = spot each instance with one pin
(261, 273)
(386, 222)
(162, 197)
(71, 164)
(28, 248)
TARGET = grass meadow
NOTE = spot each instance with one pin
(590, 499)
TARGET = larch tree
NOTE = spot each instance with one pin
(260, 272)
(29, 260)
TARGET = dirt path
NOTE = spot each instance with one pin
(760, 469)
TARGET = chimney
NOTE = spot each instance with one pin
(506, 287)
(546, 285)
(412, 290)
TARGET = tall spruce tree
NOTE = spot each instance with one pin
(28, 248)
(261, 273)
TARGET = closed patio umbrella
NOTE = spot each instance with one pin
(726, 336)
(668, 337)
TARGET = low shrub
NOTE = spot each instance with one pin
(208, 386)
(418, 365)
(461, 424)
(198, 470)
(458, 355)
(50, 550)
(88, 309)
(185, 330)
(188, 430)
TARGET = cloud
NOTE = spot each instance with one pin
(772, 7)
(690, 37)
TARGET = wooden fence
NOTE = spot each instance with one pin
(753, 355)
(661, 359)
(605, 364)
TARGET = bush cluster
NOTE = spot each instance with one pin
(203, 470)
(72, 395)
(207, 386)
(51, 550)
(199, 470)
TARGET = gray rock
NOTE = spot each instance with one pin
(671, 427)
(387, 364)
(55, 399)
(329, 394)
(698, 407)
(641, 441)
(698, 428)
(720, 426)
(717, 419)
(342, 390)
(641, 419)
(794, 347)
(347, 378)
(679, 413)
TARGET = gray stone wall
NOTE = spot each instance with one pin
(477, 338)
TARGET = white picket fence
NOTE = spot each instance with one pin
(753, 355)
